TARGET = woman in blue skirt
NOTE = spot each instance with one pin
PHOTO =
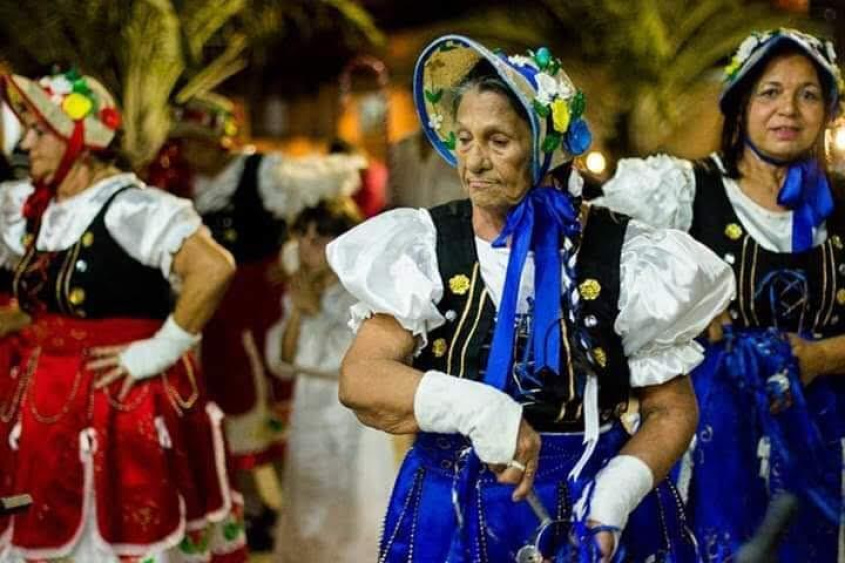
(770, 393)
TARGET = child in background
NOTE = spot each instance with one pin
(337, 472)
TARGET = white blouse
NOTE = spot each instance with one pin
(148, 223)
(659, 190)
(286, 185)
(671, 286)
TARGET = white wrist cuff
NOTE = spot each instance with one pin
(150, 357)
(620, 487)
(171, 330)
(487, 416)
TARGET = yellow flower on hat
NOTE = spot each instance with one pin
(731, 69)
(77, 106)
(560, 115)
(230, 128)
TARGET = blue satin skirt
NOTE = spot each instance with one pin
(745, 454)
(447, 506)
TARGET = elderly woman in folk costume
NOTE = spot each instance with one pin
(509, 329)
(772, 393)
(112, 433)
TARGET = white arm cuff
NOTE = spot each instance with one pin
(488, 417)
(620, 487)
(150, 357)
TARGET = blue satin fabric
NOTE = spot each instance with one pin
(537, 223)
(425, 524)
(728, 496)
(806, 192)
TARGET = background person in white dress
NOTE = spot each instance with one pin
(337, 471)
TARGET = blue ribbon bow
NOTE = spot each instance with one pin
(537, 223)
(806, 192)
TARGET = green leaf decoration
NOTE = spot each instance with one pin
(551, 142)
(187, 546)
(434, 97)
(542, 111)
(231, 530)
(81, 87)
(73, 75)
(275, 424)
(448, 46)
(451, 141)
(577, 105)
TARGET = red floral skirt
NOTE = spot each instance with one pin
(149, 470)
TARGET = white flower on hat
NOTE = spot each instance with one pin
(831, 52)
(747, 47)
(549, 88)
(435, 121)
(519, 60)
(61, 85)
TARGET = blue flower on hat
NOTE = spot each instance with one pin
(578, 138)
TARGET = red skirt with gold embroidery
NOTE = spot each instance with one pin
(9, 390)
(149, 470)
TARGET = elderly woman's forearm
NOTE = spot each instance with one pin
(669, 418)
(381, 393)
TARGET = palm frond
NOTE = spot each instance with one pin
(227, 64)
(359, 19)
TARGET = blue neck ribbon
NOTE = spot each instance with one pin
(538, 223)
(806, 192)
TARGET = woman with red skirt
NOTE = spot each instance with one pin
(106, 417)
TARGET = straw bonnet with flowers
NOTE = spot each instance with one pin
(75, 107)
(206, 115)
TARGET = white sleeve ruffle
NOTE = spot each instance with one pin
(671, 287)
(12, 223)
(151, 225)
(389, 264)
(289, 185)
(658, 191)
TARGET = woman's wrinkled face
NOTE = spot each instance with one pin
(786, 111)
(493, 150)
(45, 148)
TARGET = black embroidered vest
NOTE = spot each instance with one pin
(803, 291)
(244, 226)
(461, 346)
(95, 278)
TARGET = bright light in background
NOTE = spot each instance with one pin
(596, 162)
(839, 138)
